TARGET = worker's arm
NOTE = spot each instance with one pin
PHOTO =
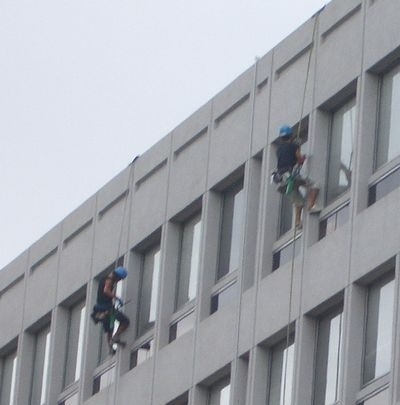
(108, 288)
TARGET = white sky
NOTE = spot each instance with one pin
(87, 85)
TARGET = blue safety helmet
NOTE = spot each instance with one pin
(120, 272)
(285, 130)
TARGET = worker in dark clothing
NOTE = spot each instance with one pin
(105, 309)
(290, 159)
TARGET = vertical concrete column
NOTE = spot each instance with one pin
(353, 337)
(198, 396)
(304, 362)
(239, 380)
(253, 171)
(258, 373)
(91, 343)
(59, 334)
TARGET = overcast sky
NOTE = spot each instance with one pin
(87, 85)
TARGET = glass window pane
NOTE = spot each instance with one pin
(75, 343)
(231, 230)
(286, 217)
(224, 298)
(8, 371)
(189, 261)
(341, 150)
(286, 253)
(281, 376)
(220, 393)
(378, 346)
(327, 373)
(387, 185)
(104, 380)
(40, 366)
(182, 326)
(388, 141)
(149, 289)
(154, 287)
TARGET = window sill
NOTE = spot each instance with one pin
(68, 392)
(223, 282)
(373, 387)
(286, 239)
(384, 170)
(335, 205)
(183, 311)
(105, 366)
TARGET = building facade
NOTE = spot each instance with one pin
(228, 303)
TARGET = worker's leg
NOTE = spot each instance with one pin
(298, 202)
(298, 222)
(312, 198)
(123, 324)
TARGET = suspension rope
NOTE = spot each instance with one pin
(285, 367)
(113, 371)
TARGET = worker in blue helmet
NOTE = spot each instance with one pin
(289, 162)
(107, 308)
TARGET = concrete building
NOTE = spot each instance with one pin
(228, 305)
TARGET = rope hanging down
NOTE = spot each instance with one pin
(113, 392)
(283, 402)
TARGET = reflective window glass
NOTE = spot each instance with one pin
(281, 375)
(388, 141)
(327, 372)
(75, 343)
(220, 392)
(8, 375)
(150, 276)
(341, 150)
(231, 229)
(379, 329)
(189, 261)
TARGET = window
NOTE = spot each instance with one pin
(379, 328)
(40, 372)
(231, 229)
(285, 254)
(382, 398)
(75, 343)
(327, 371)
(181, 400)
(181, 326)
(189, 261)
(281, 375)
(341, 150)
(8, 376)
(143, 353)
(150, 276)
(72, 400)
(388, 142)
(286, 215)
(106, 378)
(335, 220)
(386, 184)
(225, 297)
(220, 393)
